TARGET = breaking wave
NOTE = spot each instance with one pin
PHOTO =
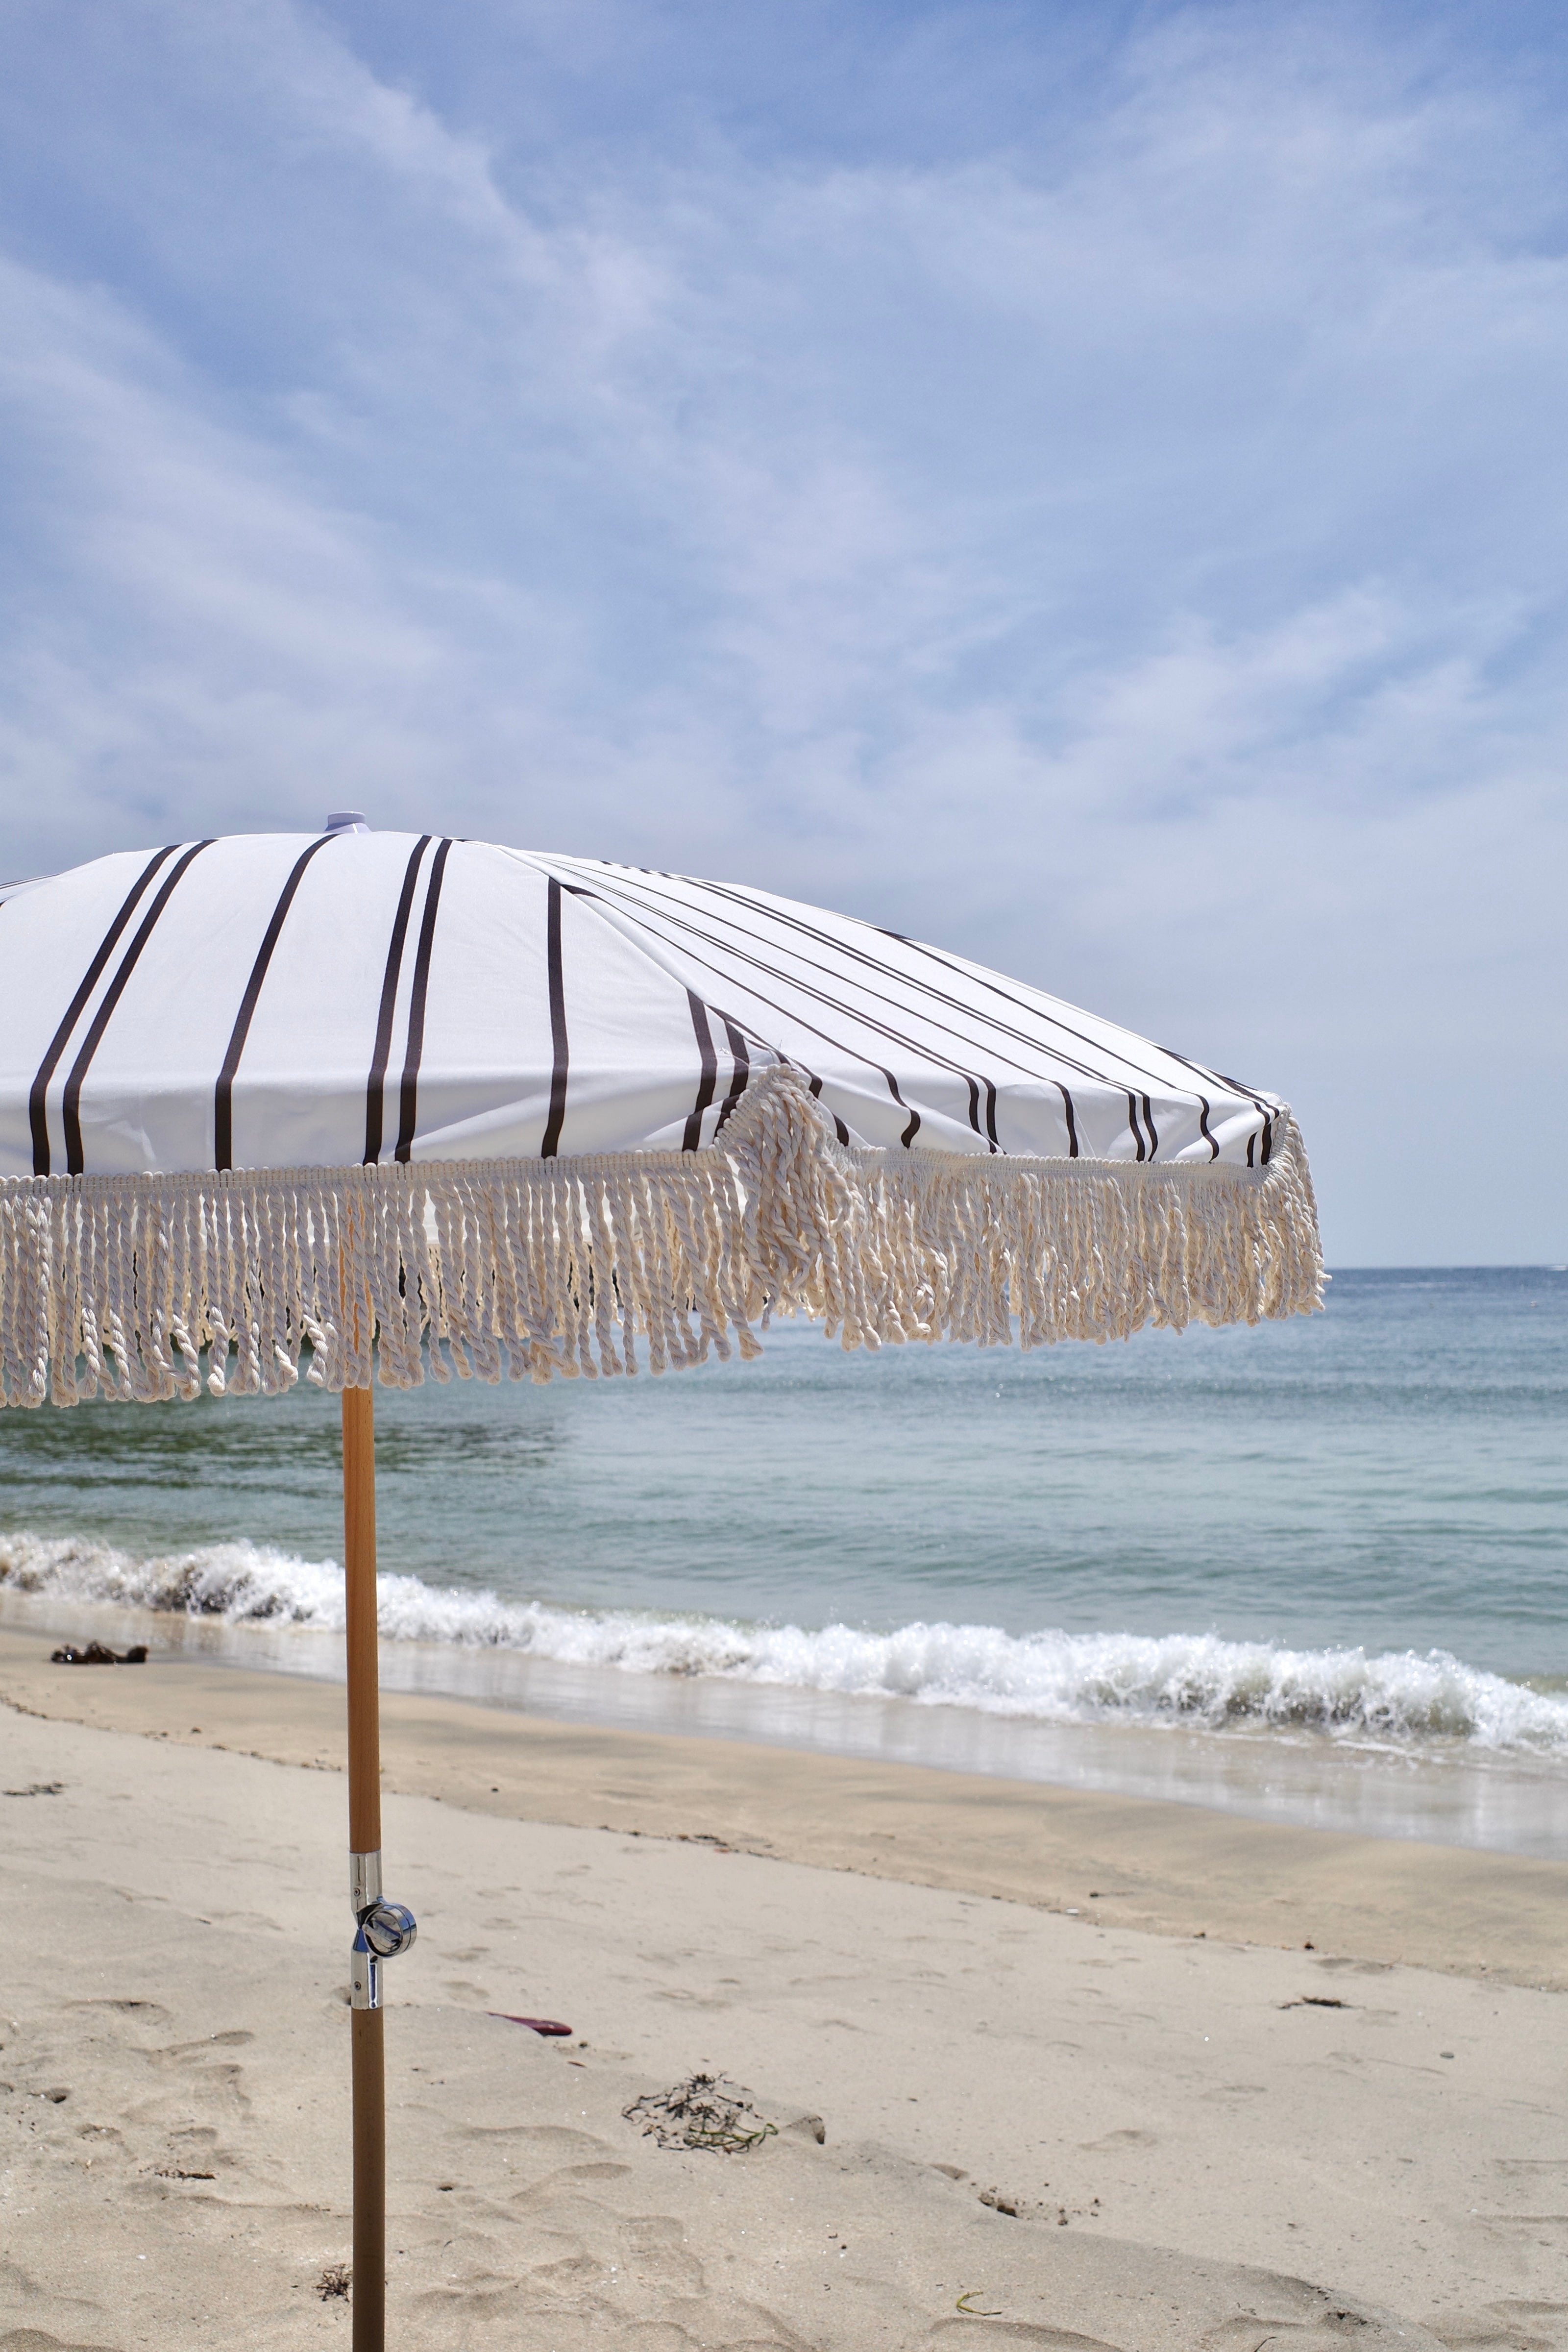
(1194, 1679)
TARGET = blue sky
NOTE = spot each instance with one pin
(1084, 484)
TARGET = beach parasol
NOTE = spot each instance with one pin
(367, 1106)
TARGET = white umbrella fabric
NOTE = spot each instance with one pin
(361, 1103)
(540, 1108)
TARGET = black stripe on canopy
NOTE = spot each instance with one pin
(1072, 1121)
(1237, 1087)
(408, 1093)
(76, 1161)
(559, 1056)
(741, 1060)
(815, 1087)
(376, 1086)
(222, 1096)
(37, 1097)
(914, 1128)
(707, 1083)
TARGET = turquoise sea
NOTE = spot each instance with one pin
(1317, 1569)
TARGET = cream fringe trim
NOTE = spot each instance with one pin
(119, 1285)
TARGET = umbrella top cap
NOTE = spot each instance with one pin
(346, 821)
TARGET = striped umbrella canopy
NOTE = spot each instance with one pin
(532, 1113)
(360, 1105)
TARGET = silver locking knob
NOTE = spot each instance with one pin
(389, 1929)
(384, 1931)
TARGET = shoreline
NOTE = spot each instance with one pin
(1435, 1791)
(1149, 1864)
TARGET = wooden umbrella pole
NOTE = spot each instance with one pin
(369, 2284)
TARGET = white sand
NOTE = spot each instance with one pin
(175, 1957)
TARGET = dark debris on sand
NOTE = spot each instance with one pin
(704, 2111)
(96, 1655)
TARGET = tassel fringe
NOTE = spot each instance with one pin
(145, 1287)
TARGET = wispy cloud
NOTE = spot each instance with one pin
(1109, 523)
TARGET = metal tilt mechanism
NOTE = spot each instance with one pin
(382, 1930)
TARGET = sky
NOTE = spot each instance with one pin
(1082, 483)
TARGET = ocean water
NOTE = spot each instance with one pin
(1314, 1569)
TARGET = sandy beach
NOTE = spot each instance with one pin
(1084, 2069)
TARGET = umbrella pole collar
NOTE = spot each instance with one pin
(383, 1930)
(364, 1882)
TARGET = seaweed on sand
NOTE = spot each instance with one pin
(705, 2111)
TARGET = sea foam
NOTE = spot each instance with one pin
(1194, 1679)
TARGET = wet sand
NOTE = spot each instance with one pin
(1246, 2137)
(1166, 1868)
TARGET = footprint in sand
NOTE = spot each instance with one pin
(33, 2339)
